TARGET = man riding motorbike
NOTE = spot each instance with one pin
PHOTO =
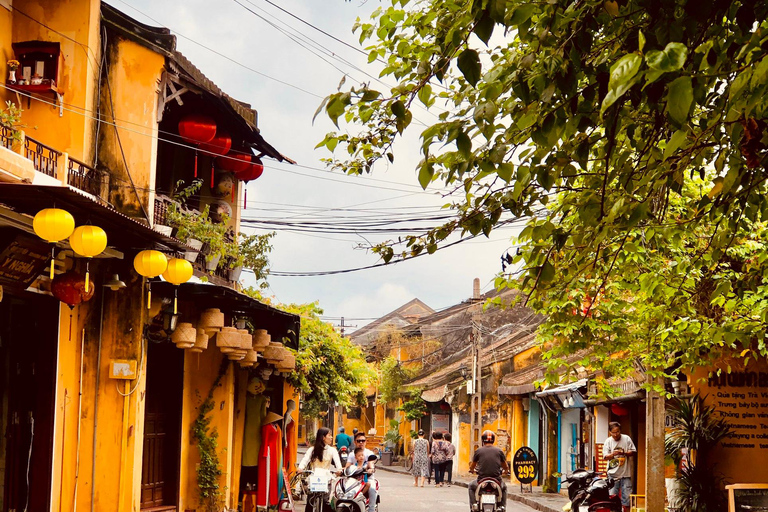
(489, 462)
(360, 441)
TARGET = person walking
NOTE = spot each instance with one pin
(616, 450)
(420, 468)
(439, 457)
(451, 454)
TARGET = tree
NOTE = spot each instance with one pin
(632, 135)
(329, 367)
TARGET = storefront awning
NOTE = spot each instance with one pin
(281, 325)
(434, 395)
(563, 397)
(521, 382)
(123, 232)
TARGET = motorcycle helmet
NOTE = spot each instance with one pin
(488, 437)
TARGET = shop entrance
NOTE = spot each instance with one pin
(28, 335)
(162, 427)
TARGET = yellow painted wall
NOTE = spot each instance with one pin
(75, 25)
(6, 52)
(133, 75)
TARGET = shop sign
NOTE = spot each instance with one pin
(747, 497)
(22, 259)
(525, 465)
(441, 422)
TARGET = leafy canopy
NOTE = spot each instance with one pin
(329, 367)
(631, 133)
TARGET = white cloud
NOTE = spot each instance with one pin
(385, 298)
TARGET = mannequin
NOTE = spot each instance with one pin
(256, 406)
(289, 430)
(270, 466)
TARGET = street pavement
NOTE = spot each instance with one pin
(399, 495)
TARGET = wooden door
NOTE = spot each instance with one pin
(162, 424)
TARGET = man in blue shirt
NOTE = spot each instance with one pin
(343, 440)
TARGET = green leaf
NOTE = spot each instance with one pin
(426, 172)
(335, 107)
(469, 65)
(505, 171)
(640, 41)
(398, 109)
(464, 144)
(623, 77)
(497, 9)
(680, 98)
(546, 272)
(521, 14)
(484, 27)
(673, 143)
(671, 59)
(320, 108)
(425, 95)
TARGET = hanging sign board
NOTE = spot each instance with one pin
(525, 465)
(747, 497)
(22, 259)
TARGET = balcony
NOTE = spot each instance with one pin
(58, 165)
(221, 274)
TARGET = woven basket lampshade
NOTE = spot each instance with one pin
(274, 353)
(228, 339)
(201, 342)
(261, 339)
(184, 336)
(246, 340)
(237, 355)
(288, 364)
(211, 321)
(251, 357)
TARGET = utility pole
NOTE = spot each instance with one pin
(342, 326)
(477, 392)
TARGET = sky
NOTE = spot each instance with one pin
(251, 60)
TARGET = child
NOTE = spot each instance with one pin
(360, 462)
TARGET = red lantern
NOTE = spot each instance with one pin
(619, 409)
(235, 162)
(251, 173)
(197, 129)
(219, 145)
(69, 288)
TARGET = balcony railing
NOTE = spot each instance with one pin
(6, 137)
(84, 177)
(44, 158)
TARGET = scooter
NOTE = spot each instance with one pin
(347, 491)
(489, 495)
(589, 492)
(343, 453)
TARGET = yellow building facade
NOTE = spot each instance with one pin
(101, 412)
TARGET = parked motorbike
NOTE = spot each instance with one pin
(489, 495)
(347, 492)
(319, 483)
(589, 492)
(343, 454)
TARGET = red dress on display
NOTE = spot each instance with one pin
(289, 457)
(268, 489)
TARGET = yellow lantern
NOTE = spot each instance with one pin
(150, 264)
(88, 241)
(53, 225)
(178, 271)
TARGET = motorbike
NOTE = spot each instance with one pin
(343, 453)
(319, 483)
(347, 491)
(489, 495)
(589, 492)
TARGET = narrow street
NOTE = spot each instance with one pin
(399, 495)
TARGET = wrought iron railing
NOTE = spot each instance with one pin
(44, 158)
(84, 177)
(6, 137)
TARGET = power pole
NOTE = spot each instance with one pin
(477, 392)
(342, 326)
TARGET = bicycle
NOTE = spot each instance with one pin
(298, 485)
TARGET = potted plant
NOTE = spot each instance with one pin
(250, 251)
(13, 65)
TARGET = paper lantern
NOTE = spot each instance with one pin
(251, 173)
(69, 288)
(88, 241)
(179, 271)
(234, 162)
(218, 145)
(53, 225)
(150, 264)
(197, 129)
